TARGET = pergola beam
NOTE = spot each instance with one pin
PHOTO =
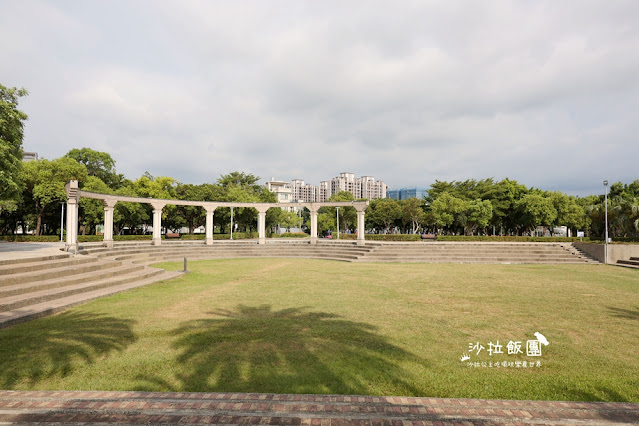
(74, 194)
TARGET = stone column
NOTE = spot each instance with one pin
(73, 197)
(360, 228)
(209, 225)
(109, 206)
(313, 211)
(261, 224)
(157, 223)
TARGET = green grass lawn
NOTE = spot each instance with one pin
(312, 326)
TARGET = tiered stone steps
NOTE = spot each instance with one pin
(633, 262)
(464, 252)
(431, 252)
(136, 408)
(38, 286)
(139, 253)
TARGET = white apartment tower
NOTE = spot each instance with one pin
(363, 187)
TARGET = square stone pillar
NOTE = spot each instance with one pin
(72, 216)
(109, 207)
(313, 226)
(261, 225)
(360, 228)
(209, 225)
(157, 224)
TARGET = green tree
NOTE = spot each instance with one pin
(347, 215)
(98, 164)
(11, 136)
(192, 216)
(479, 214)
(238, 179)
(448, 210)
(535, 210)
(504, 197)
(383, 213)
(129, 215)
(325, 222)
(413, 213)
(45, 180)
(92, 211)
(290, 220)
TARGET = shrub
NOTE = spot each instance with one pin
(193, 236)
(508, 238)
(295, 235)
(381, 237)
(31, 238)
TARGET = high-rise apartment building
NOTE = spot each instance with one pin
(363, 187)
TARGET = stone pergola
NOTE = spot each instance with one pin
(74, 194)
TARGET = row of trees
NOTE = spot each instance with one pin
(506, 207)
(31, 194)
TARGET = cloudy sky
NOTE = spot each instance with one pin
(544, 92)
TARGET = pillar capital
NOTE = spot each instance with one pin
(157, 205)
(210, 208)
(109, 203)
(73, 192)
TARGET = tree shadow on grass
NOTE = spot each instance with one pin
(625, 313)
(57, 345)
(256, 349)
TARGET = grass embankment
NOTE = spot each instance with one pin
(311, 326)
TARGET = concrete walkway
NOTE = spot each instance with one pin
(10, 251)
(69, 408)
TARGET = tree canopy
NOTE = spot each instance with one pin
(11, 135)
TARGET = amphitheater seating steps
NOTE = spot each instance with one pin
(633, 262)
(35, 287)
(38, 286)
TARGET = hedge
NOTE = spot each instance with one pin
(513, 238)
(292, 235)
(381, 237)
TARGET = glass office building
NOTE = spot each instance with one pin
(406, 193)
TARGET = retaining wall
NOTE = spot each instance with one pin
(615, 251)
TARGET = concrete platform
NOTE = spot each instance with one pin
(133, 408)
(10, 250)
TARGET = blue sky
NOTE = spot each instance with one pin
(542, 92)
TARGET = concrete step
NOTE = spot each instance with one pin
(631, 263)
(12, 290)
(34, 259)
(177, 257)
(474, 260)
(266, 248)
(137, 408)
(35, 297)
(30, 266)
(88, 264)
(50, 307)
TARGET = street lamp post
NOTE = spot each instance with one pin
(606, 220)
(337, 208)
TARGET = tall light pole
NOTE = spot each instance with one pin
(606, 202)
(337, 212)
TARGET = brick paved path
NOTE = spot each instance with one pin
(26, 407)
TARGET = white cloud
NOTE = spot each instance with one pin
(409, 92)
